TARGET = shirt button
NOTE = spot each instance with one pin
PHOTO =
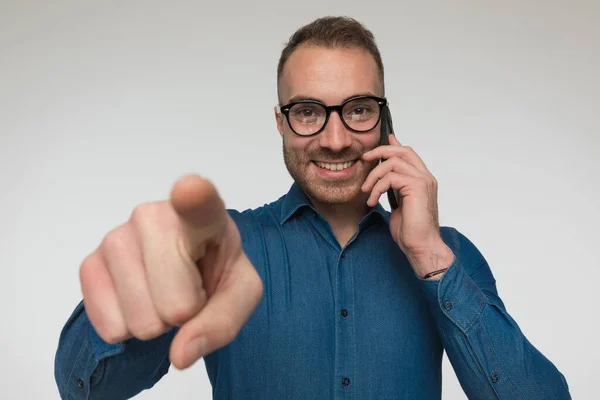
(448, 305)
(346, 381)
(494, 377)
(344, 313)
(79, 383)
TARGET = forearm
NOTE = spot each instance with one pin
(88, 368)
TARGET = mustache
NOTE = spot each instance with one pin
(324, 154)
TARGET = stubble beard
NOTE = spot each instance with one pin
(337, 192)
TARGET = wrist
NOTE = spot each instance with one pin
(435, 258)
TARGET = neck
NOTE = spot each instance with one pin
(343, 218)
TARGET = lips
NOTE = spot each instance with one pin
(335, 166)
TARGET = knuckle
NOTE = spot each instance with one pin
(112, 335)
(429, 181)
(259, 288)
(395, 160)
(143, 211)
(116, 240)
(255, 289)
(88, 268)
(109, 327)
(229, 329)
(146, 328)
(179, 311)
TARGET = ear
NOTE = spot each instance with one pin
(279, 120)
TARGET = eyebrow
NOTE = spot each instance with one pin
(301, 97)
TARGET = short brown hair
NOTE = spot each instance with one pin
(331, 32)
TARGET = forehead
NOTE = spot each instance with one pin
(330, 75)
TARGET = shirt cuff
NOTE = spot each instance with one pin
(455, 296)
(100, 349)
(79, 355)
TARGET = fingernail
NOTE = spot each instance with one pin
(195, 349)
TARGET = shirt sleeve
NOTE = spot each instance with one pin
(86, 367)
(490, 355)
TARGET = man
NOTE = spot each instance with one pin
(320, 294)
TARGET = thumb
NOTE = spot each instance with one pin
(219, 322)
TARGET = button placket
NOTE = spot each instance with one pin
(345, 337)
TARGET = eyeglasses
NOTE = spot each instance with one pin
(358, 114)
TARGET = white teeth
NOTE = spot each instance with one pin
(336, 166)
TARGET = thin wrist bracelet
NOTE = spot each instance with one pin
(434, 273)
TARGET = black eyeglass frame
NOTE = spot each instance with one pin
(285, 110)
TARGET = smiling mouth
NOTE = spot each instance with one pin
(339, 166)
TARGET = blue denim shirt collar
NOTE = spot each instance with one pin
(296, 199)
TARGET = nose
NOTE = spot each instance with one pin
(335, 136)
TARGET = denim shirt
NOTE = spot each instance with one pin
(352, 322)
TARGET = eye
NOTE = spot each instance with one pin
(305, 112)
(359, 110)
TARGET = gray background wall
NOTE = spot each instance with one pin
(103, 105)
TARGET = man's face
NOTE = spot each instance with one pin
(331, 76)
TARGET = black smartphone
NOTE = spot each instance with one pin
(386, 129)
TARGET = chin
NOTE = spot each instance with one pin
(333, 194)
(330, 193)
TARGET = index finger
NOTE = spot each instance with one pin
(201, 212)
(395, 149)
